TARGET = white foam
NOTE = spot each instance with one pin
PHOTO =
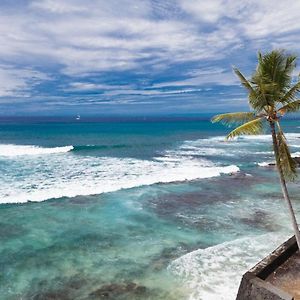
(265, 163)
(44, 173)
(53, 176)
(205, 151)
(268, 137)
(242, 145)
(260, 137)
(215, 272)
(264, 152)
(215, 146)
(293, 135)
(295, 154)
(16, 150)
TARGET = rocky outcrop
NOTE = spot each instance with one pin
(114, 291)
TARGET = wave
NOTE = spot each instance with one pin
(241, 146)
(268, 163)
(215, 272)
(265, 137)
(11, 150)
(220, 141)
(46, 177)
(99, 147)
(265, 163)
(264, 152)
(295, 154)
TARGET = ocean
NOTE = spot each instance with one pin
(135, 208)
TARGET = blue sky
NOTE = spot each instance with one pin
(135, 56)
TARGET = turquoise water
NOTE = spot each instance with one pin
(134, 209)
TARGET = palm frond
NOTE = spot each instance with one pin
(233, 118)
(287, 163)
(290, 107)
(253, 127)
(273, 78)
(291, 93)
(277, 67)
(257, 99)
(290, 63)
(243, 80)
(263, 95)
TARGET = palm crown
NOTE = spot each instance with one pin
(271, 94)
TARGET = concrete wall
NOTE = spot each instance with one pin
(253, 285)
(254, 288)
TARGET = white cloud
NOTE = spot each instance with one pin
(267, 18)
(18, 82)
(208, 11)
(152, 92)
(60, 7)
(203, 77)
(98, 37)
(86, 86)
(250, 18)
(78, 38)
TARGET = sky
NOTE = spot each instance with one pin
(99, 57)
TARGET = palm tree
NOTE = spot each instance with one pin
(271, 94)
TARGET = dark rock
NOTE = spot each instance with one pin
(140, 290)
(297, 160)
(163, 259)
(52, 295)
(76, 283)
(259, 219)
(11, 230)
(45, 289)
(114, 290)
(256, 218)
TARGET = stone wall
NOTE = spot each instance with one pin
(253, 285)
(254, 288)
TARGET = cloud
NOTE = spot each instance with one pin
(252, 19)
(59, 7)
(97, 37)
(19, 82)
(207, 11)
(203, 78)
(126, 48)
(86, 86)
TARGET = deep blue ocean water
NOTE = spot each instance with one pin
(135, 208)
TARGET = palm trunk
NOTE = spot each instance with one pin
(283, 185)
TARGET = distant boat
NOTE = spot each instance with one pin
(78, 117)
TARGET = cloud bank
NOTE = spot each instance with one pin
(59, 56)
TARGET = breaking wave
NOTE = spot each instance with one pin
(215, 272)
(17, 150)
(53, 176)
